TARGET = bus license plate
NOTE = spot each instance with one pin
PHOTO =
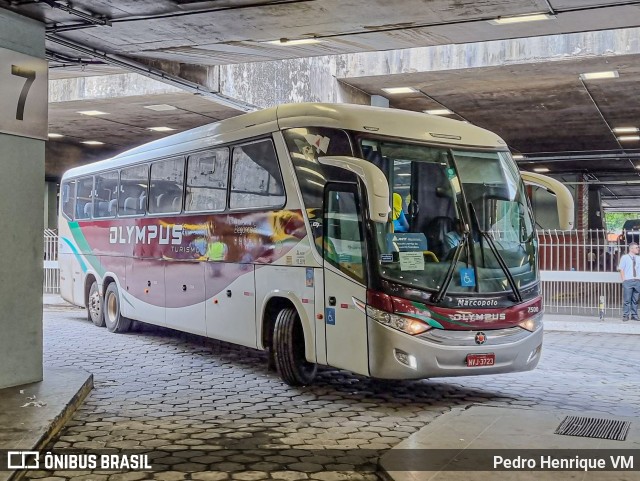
(479, 360)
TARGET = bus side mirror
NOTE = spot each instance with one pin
(563, 195)
(374, 180)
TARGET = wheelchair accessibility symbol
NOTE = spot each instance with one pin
(467, 277)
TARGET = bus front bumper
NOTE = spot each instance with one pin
(396, 355)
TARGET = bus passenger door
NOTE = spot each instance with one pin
(344, 279)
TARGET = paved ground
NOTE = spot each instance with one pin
(211, 410)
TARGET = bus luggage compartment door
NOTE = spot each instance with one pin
(145, 291)
(185, 298)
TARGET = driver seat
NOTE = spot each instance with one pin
(436, 231)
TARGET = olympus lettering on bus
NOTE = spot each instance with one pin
(477, 302)
(134, 234)
(470, 316)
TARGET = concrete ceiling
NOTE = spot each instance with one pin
(542, 109)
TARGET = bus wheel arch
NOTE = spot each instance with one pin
(93, 300)
(289, 349)
(113, 318)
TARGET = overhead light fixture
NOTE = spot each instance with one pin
(160, 107)
(517, 156)
(292, 43)
(161, 129)
(541, 169)
(438, 112)
(628, 138)
(599, 75)
(92, 142)
(625, 130)
(404, 175)
(55, 136)
(399, 90)
(534, 17)
(93, 112)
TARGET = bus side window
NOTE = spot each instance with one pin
(256, 180)
(105, 195)
(165, 191)
(207, 176)
(134, 183)
(84, 198)
(68, 194)
(343, 244)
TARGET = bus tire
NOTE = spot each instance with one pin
(94, 305)
(288, 350)
(113, 319)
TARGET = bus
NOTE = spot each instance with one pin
(393, 244)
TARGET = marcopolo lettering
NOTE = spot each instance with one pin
(470, 316)
(147, 234)
(477, 302)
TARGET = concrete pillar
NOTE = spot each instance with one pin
(21, 202)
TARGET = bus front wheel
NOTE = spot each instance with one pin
(288, 350)
(94, 306)
(113, 319)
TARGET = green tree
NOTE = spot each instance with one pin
(615, 220)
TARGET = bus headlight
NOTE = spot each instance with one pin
(532, 324)
(405, 324)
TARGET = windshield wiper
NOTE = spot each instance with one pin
(496, 253)
(454, 262)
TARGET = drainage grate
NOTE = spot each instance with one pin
(594, 428)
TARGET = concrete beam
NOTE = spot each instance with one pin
(324, 79)
(266, 84)
(551, 48)
(106, 87)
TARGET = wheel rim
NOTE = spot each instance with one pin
(94, 304)
(112, 308)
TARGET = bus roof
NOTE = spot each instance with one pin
(383, 121)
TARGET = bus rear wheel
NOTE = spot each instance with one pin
(288, 350)
(113, 319)
(94, 306)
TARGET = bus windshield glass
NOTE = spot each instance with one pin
(453, 205)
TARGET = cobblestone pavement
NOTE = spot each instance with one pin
(208, 410)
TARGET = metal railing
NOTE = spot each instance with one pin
(51, 278)
(579, 272)
(579, 250)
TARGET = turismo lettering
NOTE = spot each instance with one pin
(134, 234)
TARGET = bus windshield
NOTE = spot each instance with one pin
(453, 206)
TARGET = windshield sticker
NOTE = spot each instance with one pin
(319, 142)
(386, 258)
(467, 277)
(410, 242)
(451, 173)
(411, 261)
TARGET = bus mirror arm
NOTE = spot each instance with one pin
(563, 196)
(373, 178)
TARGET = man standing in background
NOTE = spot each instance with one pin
(629, 268)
